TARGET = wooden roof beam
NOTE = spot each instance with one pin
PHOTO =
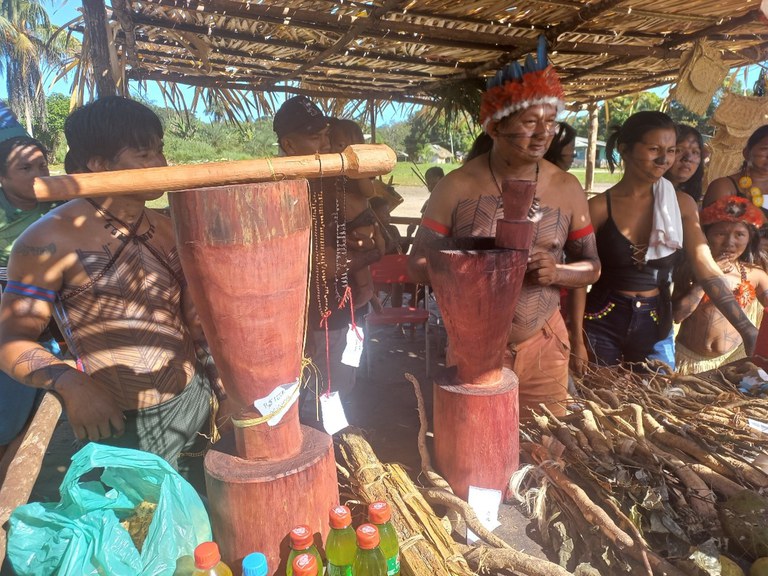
(258, 39)
(213, 83)
(394, 29)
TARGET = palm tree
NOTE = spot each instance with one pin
(24, 50)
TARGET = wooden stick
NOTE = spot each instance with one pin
(357, 161)
(22, 461)
(486, 560)
(426, 548)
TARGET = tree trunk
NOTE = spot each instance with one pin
(96, 27)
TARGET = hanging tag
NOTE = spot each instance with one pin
(354, 348)
(334, 418)
(485, 502)
(278, 401)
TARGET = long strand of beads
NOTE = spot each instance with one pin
(318, 238)
(341, 239)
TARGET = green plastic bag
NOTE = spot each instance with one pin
(82, 535)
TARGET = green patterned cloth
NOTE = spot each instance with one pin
(13, 222)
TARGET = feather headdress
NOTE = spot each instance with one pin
(516, 87)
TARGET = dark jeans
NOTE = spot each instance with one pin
(625, 329)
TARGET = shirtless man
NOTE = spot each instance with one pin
(107, 270)
(467, 202)
(303, 129)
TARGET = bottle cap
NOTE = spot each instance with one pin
(367, 536)
(301, 537)
(340, 517)
(305, 565)
(255, 564)
(207, 555)
(379, 512)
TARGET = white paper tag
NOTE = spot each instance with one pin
(485, 502)
(275, 400)
(334, 418)
(354, 348)
(757, 425)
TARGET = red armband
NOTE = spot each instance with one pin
(576, 234)
(435, 226)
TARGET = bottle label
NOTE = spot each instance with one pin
(393, 565)
(334, 570)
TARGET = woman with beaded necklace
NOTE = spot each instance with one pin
(752, 180)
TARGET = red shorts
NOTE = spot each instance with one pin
(541, 365)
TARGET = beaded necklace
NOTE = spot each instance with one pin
(750, 191)
(744, 293)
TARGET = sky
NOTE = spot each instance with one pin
(62, 11)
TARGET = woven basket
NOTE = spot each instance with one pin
(741, 114)
(701, 73)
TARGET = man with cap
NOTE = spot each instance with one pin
(518, 112)
(303, 129)
(22, 159)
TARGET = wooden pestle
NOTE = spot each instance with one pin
(356, 161)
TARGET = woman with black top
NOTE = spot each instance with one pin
(641, 224)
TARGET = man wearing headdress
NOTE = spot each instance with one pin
(518, 112)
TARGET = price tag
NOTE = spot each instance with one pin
(334, 418)
(277, 402)
(485, 502)
(354, 348)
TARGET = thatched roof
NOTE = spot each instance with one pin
(410, 50)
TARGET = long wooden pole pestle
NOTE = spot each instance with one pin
(356, 161)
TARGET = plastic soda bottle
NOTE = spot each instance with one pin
(380, 514)
(208, 561)
(370, 560)
(341, 546)
(302, 541)
(304, 565)
(255, 564)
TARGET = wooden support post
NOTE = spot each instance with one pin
(591, 160)
(96, 27)
(372, 104)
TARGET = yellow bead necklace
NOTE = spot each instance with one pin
(751, 191)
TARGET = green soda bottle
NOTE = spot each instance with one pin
(305, 565)
(370, 560)
(380, 514)
(341, 546)
(208, 561)
(302, 541)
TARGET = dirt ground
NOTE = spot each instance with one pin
(384, 405)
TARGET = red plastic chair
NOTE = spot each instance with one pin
(393, 269)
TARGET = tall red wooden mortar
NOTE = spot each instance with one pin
(477, 282)
(245, 253)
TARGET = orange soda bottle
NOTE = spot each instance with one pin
(302, 541)
(208, 561)
(341, 546)
(305, 565)
(380, 514)
(370, 560)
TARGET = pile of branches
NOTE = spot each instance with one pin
(631, 480)
(426, 544)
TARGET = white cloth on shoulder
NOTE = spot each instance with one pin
(667, 230)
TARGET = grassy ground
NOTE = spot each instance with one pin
(405, 173)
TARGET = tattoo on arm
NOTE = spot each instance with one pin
(720, 294)
(27, 250)
(582, 263)
(42, 368)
